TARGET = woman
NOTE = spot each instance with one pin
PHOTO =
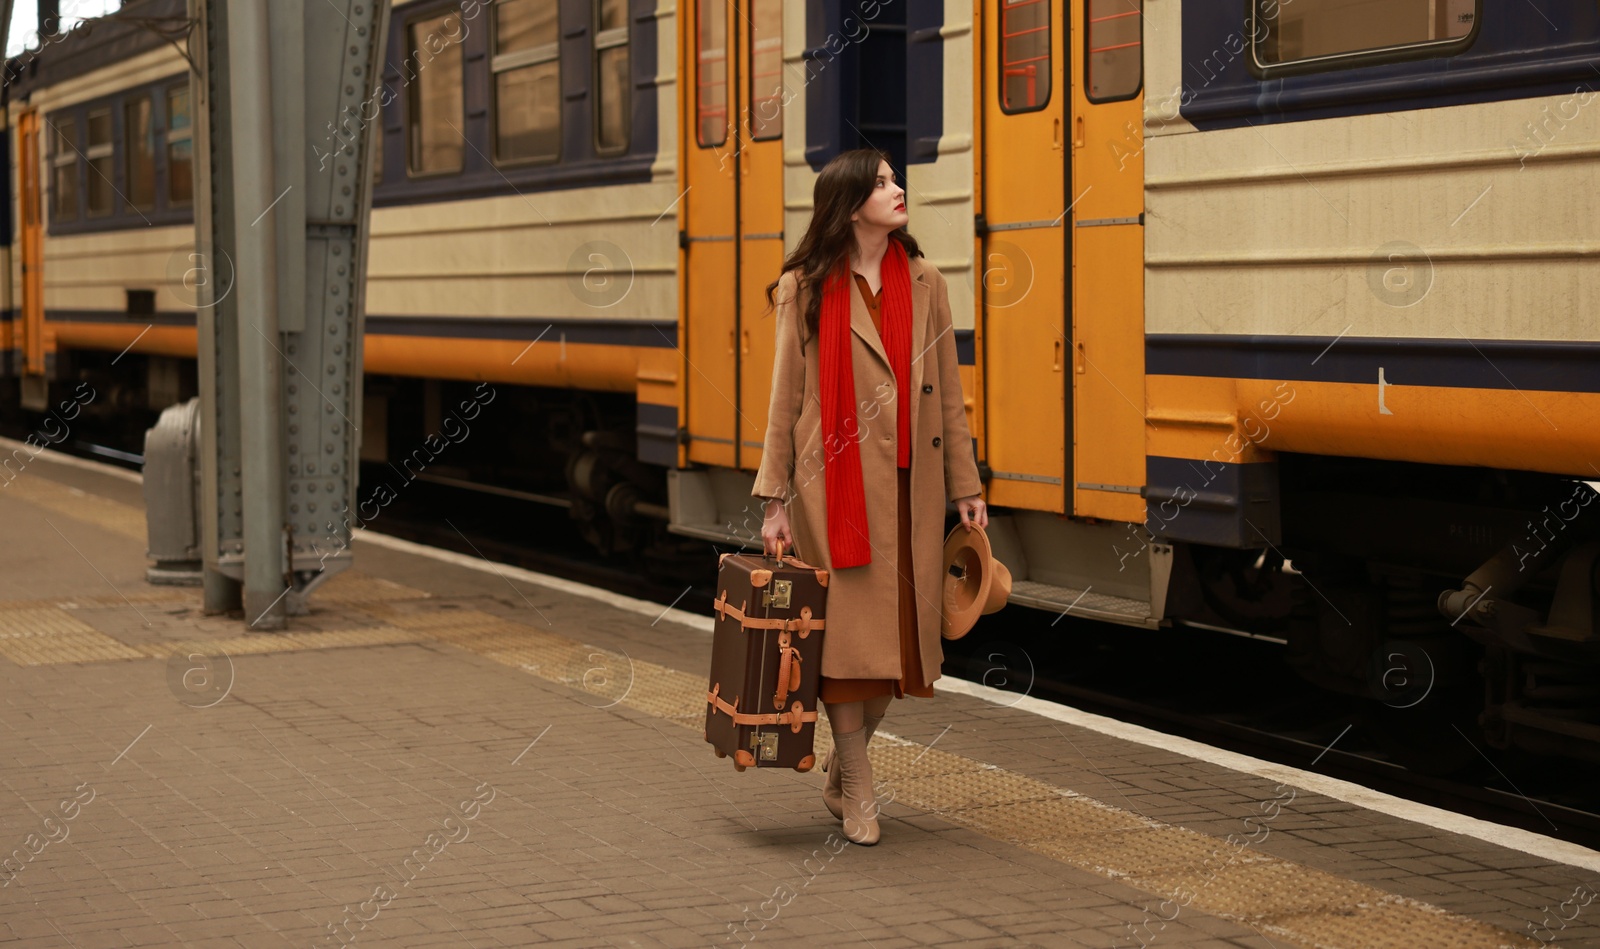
(866, 440)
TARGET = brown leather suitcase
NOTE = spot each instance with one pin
(766, 661)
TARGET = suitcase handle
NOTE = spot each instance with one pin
(788, 670)
(791, 561)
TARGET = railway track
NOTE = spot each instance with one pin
(1230, 692)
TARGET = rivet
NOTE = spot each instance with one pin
(310, 468)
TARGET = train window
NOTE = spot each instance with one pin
(180, 149)
(711, 76)
(612, 74)
(1114, 66)
(138, 154)
(64, 167)
(98, 153)
(1024, 55)
(766, 69)
(1329, 32)
(434, 115)
(527, 81)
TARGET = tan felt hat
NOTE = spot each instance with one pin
(974, 582)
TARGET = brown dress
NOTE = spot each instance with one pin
(910, 681)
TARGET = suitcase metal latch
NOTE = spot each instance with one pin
(765, 745)
(778, 596)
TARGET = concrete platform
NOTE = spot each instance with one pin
(452, 753)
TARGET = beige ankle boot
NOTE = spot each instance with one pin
(830, 788)
(857, 801)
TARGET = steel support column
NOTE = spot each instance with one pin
(284, 106)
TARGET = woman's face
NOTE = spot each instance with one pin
(886, 206)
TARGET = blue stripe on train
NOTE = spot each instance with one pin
(1449, 363)
(614, 332)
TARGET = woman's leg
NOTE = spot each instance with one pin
(858, 806)
(844, 716)
(876, 708)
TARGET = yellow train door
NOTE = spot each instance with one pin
(760, 163)
(33, 348)
(1022, 251)
(733, 238)
(1107, 243)
(708, 320)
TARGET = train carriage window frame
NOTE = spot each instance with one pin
(610, 44)
(764, 128)
(96, 154)
(69, 160)
(139, 179)
(177, 136)
(1136, 49)
(414, 89)
(1048, 59)
(720, 7)
(1261, 33)
(541, 57)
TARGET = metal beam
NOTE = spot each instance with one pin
(256, 285)
(281, 220)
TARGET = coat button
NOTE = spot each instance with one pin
(936, 441)
(927, 387)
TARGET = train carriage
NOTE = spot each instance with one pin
(1274, 316)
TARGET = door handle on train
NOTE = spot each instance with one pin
(1077, 133)
(732, 348)
(744, 342)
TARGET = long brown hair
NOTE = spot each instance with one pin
(843, 185)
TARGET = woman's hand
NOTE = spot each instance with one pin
(974, 513)
(775, 533)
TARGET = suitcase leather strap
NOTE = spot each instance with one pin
(788, 670)
(795, 717)
(802, 624)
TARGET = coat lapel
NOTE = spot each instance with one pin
(861, 322)
(921, 297)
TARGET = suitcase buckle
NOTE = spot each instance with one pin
(765, 745)
(779, 595)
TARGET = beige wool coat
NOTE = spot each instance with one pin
(863, 636)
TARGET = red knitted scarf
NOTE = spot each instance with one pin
(847, 504)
